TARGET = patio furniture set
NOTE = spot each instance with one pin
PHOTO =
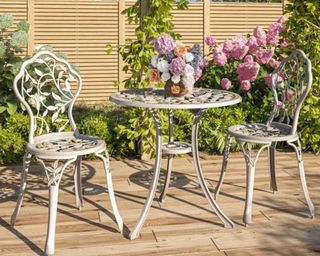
(44, 86)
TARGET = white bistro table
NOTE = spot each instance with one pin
(199, 102)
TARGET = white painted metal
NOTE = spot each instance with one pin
(43, 85)
(293, 76)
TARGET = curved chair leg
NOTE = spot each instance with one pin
(170, 159)
(105, 159)
(23, 186)
(272, 167)
(156, 173)
(195, 153)
(297, 149)
(54, 175)
(251, 165)
(78, 183)
(224, 164)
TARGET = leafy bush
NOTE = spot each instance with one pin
(303, 31)
(11, 49)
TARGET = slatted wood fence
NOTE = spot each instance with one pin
(82, 28)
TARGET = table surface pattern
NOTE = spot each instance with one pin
(201, 98)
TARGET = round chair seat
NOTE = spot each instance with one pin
(258, 133)
(64, 145)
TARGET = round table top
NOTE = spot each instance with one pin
(201, 98)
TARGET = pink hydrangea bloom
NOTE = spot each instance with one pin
(177, 66)
(210, 40)
(248, 71)
(219, 57)
(164, 44)
(285, 43)
(288, 94)
(239, 39)
(225, 84)
(248, 58)
(253, 44)
(260, 35)
(204, 64)
(245, 85)
(263, 56)
(227, 46)
(274, 63)
(273, 38)
(282, 19)
(268, 81)
(239, 51)
(275, 27)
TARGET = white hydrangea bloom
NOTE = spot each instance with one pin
(154, 61)
(189, 70)
(188, 82)
(188, 57)
(175, 79)
(178, 43)
(165, 76)
(163, 66)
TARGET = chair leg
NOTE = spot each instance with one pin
(273, 181)
(23, 186)
(105, 159)
(297, 149)
(251, 165)
(224, 165)
(78, 183)
(54, 174)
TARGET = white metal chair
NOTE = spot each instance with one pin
(291, 82)
(44, 85)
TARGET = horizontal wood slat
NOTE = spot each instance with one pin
(82, 28)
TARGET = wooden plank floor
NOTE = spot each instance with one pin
(182, 225)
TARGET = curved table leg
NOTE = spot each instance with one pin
(195, 153)
(170, 159)
(156, 174)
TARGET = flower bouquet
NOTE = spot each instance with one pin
(177, 65)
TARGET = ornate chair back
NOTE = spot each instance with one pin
(291, 83)
(44, 86)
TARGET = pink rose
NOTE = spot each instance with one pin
(248, 71)
(210, 40)
(239, 51)
(260, 35)
(253, 44)
(225, 84)
(245, 85)
(219, 57)
(248, 58)
(263, 56)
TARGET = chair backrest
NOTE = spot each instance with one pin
(291, 83)
(47, 86)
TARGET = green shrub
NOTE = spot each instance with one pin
(12, 146)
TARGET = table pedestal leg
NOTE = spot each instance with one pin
(195, 153)
(156, 174)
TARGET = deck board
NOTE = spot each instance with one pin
(182, 225)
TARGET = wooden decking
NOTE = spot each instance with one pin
(182, 225)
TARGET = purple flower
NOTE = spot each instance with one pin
(164, 44)
(177, 66)
(225, 84)
(227, 46)
(210, 40)
(248, 71)
(245, 85)
(273, 38)
(263, 56)
(239, 51)
(260, 35)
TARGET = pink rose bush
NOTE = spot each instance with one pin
(245, 63)
(176, 62)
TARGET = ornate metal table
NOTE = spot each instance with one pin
(199, 102)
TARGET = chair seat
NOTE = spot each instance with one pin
(257, 133)
(64, 145)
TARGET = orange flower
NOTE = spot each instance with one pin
(180, 50)
(154, 75)
(188, 48)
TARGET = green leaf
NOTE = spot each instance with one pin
(12, 108)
